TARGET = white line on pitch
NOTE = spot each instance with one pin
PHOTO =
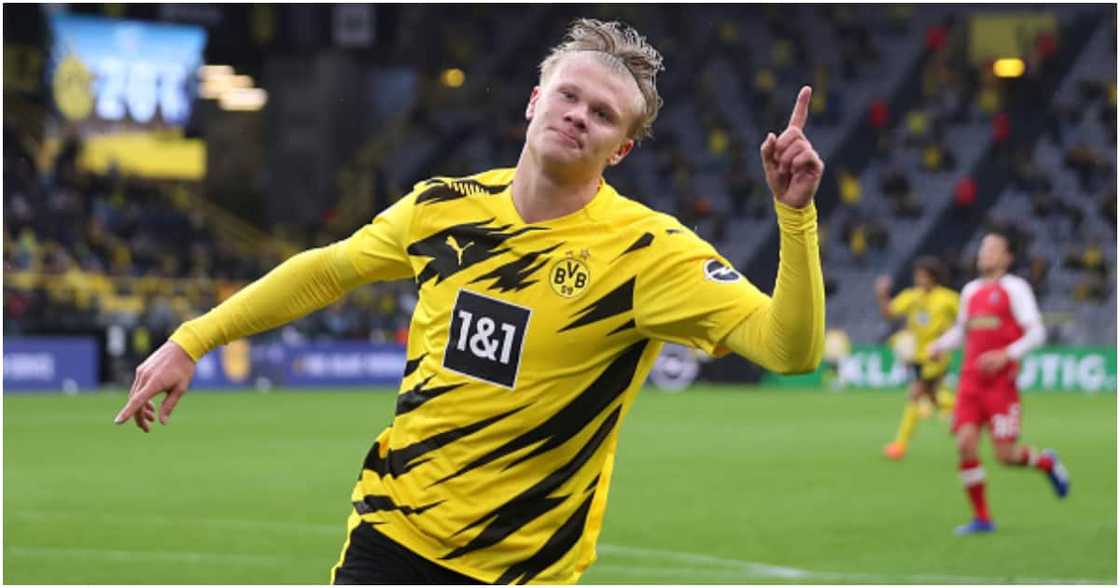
(133, 519)
(128, 556)
(761, 570)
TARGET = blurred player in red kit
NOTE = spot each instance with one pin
(998, 323)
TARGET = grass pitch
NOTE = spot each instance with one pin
(712, 485)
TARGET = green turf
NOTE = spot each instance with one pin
(713, 485)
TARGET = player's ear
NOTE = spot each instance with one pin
(532, 106)
(621, 153)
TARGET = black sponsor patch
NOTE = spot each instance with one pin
(717, 271)
(485, 338)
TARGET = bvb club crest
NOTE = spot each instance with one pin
(569, 276)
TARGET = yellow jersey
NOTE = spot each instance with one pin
(928, 315)
(527, 347)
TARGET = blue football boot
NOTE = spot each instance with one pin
(1059, 476)
(976, 527)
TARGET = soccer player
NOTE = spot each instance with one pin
(930, 309)
(999, 323)
(543, 298)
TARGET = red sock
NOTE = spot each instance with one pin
(972, 475)
(1041, 461)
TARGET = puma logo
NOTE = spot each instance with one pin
(452, 243)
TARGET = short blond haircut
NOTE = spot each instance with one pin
(623, 48)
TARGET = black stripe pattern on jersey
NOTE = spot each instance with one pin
(535, 501)
(557, 545)
(418, 395)
(445, 191)
(571, 419)
(630, 324)
(515, 274)
(398, 462)
(377, 503)
(644, 241)
(461, 246)
(613, 303)
(411, 365)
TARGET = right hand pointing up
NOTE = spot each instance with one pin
(793, 168)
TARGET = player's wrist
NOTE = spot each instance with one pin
(186, 339)
(796, 220)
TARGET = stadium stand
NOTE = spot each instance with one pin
(924, 150)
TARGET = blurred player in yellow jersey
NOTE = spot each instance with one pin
(929, 309)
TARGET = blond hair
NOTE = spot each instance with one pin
(623, 48)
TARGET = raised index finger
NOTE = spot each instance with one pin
(801, 109)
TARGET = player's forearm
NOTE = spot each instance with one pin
(1034, 337)
(787, 334)
(949, 340)
(302, 284)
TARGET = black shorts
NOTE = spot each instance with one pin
(916, 372)
(373, 558)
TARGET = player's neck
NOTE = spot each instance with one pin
(540, 196)
(993, 275)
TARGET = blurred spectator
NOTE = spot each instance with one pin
(864, 235)
(1087, 164)
(937, 38)
(1088, 257)
(896, 186)
(856, 44)
(989, 99)
(748, 197)
(1045, 47)
(762, 103)
(878, 117)
(857, 242)
(730, 41)
(825, 106)
(782, 55)
(719, 140)
(1001, 137)
(964, 194)
(851, 191)
(917, 127)
(1001, 128)
(936, 158)
(1108, 207)
(1037, 270)
(1027, 176)
(1042, 203)
(899, 17)
(1091, 287)
(1108, 112)
(879, 114)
